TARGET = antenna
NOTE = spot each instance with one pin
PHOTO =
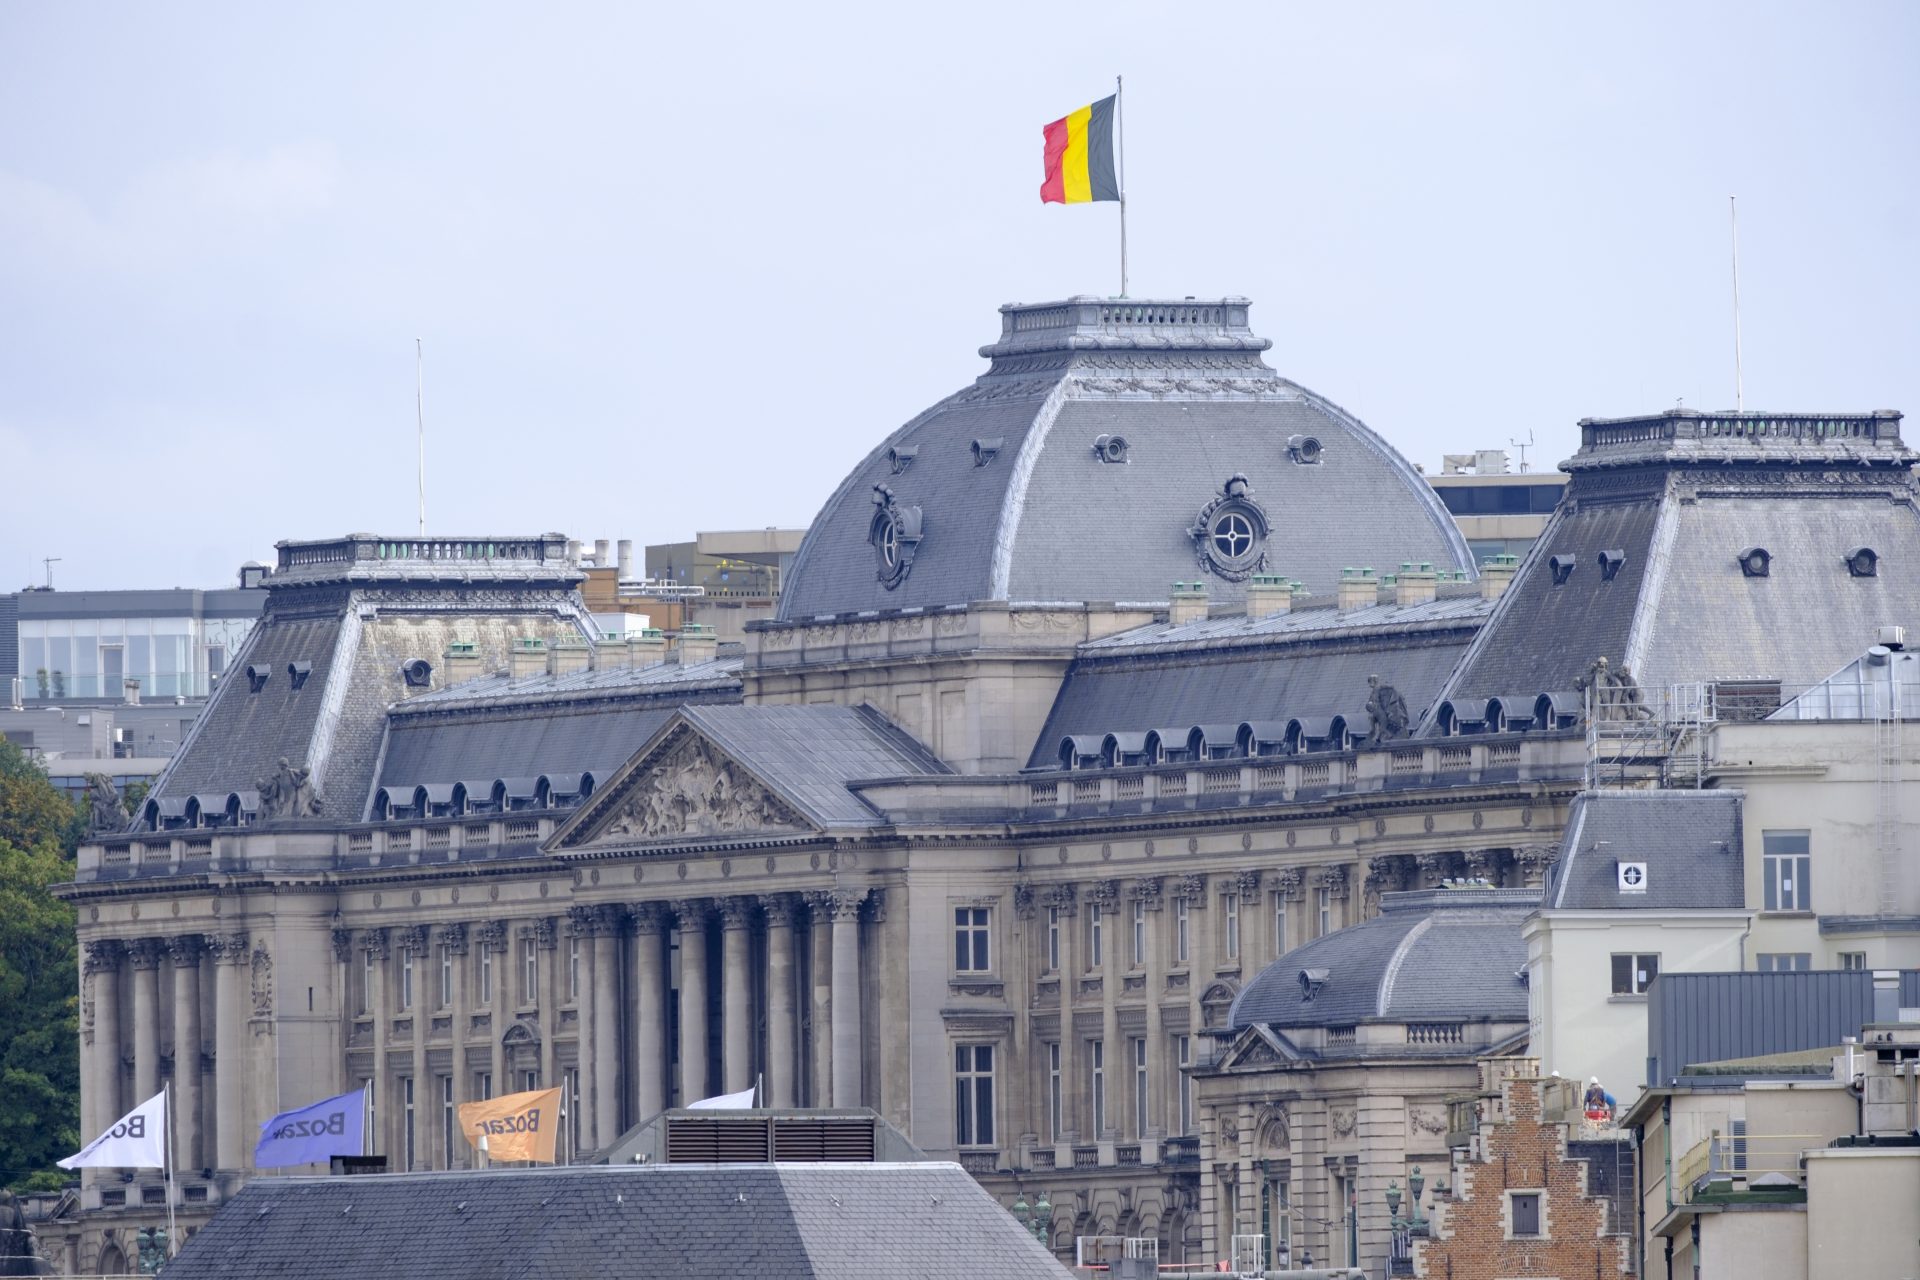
(1733, 223)
(49, 562)
(420, 421)
(1522, 447)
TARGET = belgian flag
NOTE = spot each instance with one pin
(1079, 156)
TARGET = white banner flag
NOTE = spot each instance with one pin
(741, 1101)
(137, 1141)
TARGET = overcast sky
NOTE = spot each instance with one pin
(680, 267)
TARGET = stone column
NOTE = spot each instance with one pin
(648, 1010)
(454, 938)
(1064, 898)
(231, 1001)
(1113, 967)
(606, 1024)
(494, 938)
(413, 941)
(820, 964)
(185, 950)
(782, 1063)
(145, 954)
(1159, 1074)
(376, 944)
(736, 994)
(892, 1091)
(691, 915)
(546, 937)
(101, 1097)
(846, 997)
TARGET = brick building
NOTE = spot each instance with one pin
(1521, 1202)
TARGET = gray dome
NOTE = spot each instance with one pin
(1110, 450)
(1431, 955)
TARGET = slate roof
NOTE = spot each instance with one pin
(499, 688)
(1313, 663)
(1690, 841)
(692, 1222)
(1430, 955)
(1046, 519)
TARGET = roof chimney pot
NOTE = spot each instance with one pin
(1268, 594)
(1496, 575)
(1188, 603)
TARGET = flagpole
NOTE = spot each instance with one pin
(1120, 123)
(1733, 222)
(173, 1235)
(420, 424)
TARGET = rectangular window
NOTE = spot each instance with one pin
(1094, 920)
(1323, 907)
(1097, 1073)
(529, 1081)
(1783, 961)
(1053, 939)
(446, 1120)
(971, 929)
(1184, 1048)
(1182, 929)
(570, 1101)
(573, 968)
(1853, 959)
(529, 971)
(1139, 1088)
(973, 1095)
(486, 975)
(446, 975)
(1526, 1213)
(483, 1085)
(1633, 973)
(1054, 1120)
(406, 1115)
(1279, 924)
(366, 981)
(1230, 917)
(1139, 934)
(1786, 869)
(406, 979)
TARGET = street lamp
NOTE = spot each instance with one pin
(1416, 1183)
(1393, 1202)
(152, 1245)
(1037, 1218)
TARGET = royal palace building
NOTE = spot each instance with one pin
(1096, 689)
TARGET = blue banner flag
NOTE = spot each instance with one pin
(313, 1134)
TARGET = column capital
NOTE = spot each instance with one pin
(454, 938)
(779, 908)
(413, 939)
(542, 932)
(689, 913)
(1248, 885)
(609, 918)
(145, 953)
(1103, 893)
(1190, 888)
(1064, 898)
(818, 901)
(375, 943)
(1023, 900)
(230, 948)
(581, 922)
(342, 946)
(491, 935)
(1288, 882)
(844, 904)
(646, 918)
(185, 949)
(1146, 889)
(736, 913)
(105, 954)
(1334, 880)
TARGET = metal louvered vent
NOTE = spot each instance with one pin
(703, 1141)
(816, 1140)
(757, 1140)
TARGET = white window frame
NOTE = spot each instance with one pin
(482, 1086)
(1097, 1077)
(972, 940)
(406, 980)
(1182, 929)
(1096, 949)
(1786, 876)
(1055, 1118)
(1139, 933)
(1230, 922)
(446, 1120)
(486, 976)
(406, 1102)
(1183, 1048)
(1279, 924)
(529, 971)
(446, 975)
(1140, 1093)
(367, 979)
(1323, 906)
(1053, 939)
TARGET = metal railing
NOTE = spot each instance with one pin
(1724, 1164)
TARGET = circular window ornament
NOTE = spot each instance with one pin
(1230, 535)
(895, 536)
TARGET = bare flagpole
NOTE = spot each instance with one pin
(1733, 223)
(173, 1234)
(1120, 124)
(420, 421)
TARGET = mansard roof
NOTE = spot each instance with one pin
(1690, 842)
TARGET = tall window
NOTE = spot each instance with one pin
(1139, 934)
(1094, 925)
(1786, 867)
(1183, 1046)
(1230, 924)
(971, 929)
(1323, 907)
(573, 968)
(366, 981)
(446, 1119)
(486, 974)
(1182, 929)
(483, 1085)
(1053, 939)
(570, 1101)
(446, 975)
(973, 1095)
(406, 1116)
(529, 971)
(1139, 1048)
(529, 1081)
(1634, 972)
(1054, 1119)
(406, 979)
(1097, 1073)
(1279, 924)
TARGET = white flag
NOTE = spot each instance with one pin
(741, 1101)
(137, 1141)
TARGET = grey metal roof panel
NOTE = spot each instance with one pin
(1690, 841)
(1714, 1017)
(662, 679)
(1312, 622)
(810, 753)
(537, 741)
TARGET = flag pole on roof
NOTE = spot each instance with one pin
(1084, 162)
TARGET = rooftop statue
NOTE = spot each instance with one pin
(288, 793)
(1386, 712)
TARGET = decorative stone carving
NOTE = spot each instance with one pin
(1247, 883)
(692, 791)
(1341, 1120)
(492, 935)
(1063, 898)
(342, 946)
(1290, 881)
(1533, 861)
(895, 532)
(145, 953)
(262, 981)
(779, 908)
(104, 955)
(876, 906)
(1434, 867)
(1190, 888)
(580, 922)
(844, 904)
(1023, 900)
(1428, 1120)
(1146, 889)
(1334, 881)
(736, 913)
(288, 793)
(184, 949)
(230, 948)
(454, 938)
(689, 914)
(413, 939)
(1230, 533)
(1386, 712)
(646, 918)
(1104, 893)
(1482, 864)
(104, 814)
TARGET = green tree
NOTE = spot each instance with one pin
(39, 977)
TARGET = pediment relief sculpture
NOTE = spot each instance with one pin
(693, 791)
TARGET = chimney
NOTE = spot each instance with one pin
(1496, 575)
(626, 559)
(602, 553)
(528, 657)
(1358, 589)
(564, 657)
(698, 643)
(573, 551)
(462, 661)
(647, 647)
(610, 653)
(1886, 995)
(130, 690)
(1416, 584)
(1268, 594)
(1188, 603)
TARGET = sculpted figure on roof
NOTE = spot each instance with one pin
(1386, 712)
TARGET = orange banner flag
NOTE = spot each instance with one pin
(515, 1126)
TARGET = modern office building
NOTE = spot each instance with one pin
(1500, 512)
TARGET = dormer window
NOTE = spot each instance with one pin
(1304, 450)
(1863, 562)
(901, 457)
(986, 449)
(257, 676)
(1562, 567)
(297, 673)
(1610, 562)
(1110, 448)
(1231, 532)
(1755, 562)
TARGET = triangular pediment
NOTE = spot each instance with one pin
(1257, 1047)
(681, 786)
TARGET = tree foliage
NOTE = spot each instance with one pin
(39, 977)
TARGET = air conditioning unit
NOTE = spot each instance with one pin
(1893, 637)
